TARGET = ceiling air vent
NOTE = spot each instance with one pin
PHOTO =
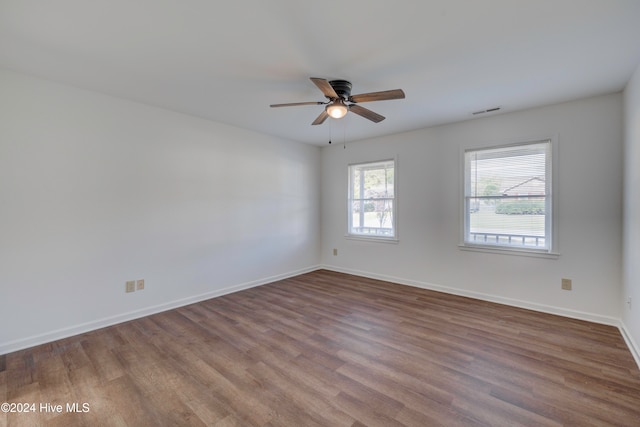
(488, 110)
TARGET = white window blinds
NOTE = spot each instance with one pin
(507, 196)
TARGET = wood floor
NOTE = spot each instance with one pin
(329, 349)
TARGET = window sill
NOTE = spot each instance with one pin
(510, 251)
(364, 238)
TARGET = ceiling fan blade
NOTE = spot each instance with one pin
(325, 87)
(293, 104)
(321, 118)
(378, 96)
(366, 113)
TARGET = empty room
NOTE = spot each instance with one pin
(341, 213)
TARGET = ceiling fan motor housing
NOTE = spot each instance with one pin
(342, 88)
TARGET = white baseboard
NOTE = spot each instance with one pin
(628, 339)
(20, 344)
(574, 314)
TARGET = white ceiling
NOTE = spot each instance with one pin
(227, 61)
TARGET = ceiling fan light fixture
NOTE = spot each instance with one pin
(337, 109)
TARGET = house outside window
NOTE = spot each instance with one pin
(508, 202)
(372, 200)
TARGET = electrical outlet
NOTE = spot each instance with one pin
(566, 284)
(131, 286)
(335, 252)
(140, 284)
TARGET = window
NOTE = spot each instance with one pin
(371, 204)
(507, 197)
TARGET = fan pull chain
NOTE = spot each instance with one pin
(344, 132)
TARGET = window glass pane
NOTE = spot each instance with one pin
(376, 218)
(378, 182)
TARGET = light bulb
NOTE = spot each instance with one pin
(337, 109)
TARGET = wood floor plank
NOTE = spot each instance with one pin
(330, 349)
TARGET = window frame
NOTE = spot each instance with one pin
(394, 222)
(551, 208)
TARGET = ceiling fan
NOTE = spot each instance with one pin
(340, 101)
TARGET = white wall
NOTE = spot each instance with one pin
(589, 133)
(631, 271)
(96, 190)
